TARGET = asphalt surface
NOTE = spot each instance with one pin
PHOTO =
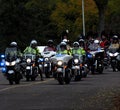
(92, 93)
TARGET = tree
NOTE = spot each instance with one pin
(101, 5)
(68, 15)
(113, 16)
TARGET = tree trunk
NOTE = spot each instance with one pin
(101, 5)
(101, 26)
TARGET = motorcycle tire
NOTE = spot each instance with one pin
(100, 71)
(27, 78)
(77, 78)
(67, 78)
(93, 70)
(47, 73)
(60, 79)
(32, 78)
(10, 82)
(17, 81)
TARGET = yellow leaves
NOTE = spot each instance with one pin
(69, 14)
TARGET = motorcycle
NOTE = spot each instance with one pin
(47, 64)
(12, 69)
(31, 70)
(95, 61)
(114, 57)
(62, 71)
(78, 69)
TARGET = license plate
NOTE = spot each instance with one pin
(10, 72)
(28, 67)
(59, 69)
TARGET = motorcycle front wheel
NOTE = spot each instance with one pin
(60, 79)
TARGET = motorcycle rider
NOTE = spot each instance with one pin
(14, 45)
(32, 49)
(94, 45)
(104, 42)
(114, 47)
(67, 44)
(115, 43)
(50, 46)
(78, 50)
(10, 51)
(82, 43)
(63, 49)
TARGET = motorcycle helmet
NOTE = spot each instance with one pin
(115, 37)
(81, 42)
(13, 44)
(96, 41)
(76, 44)
(50, 42)
(63, 45)
(92, 40)
(33, 43)
(65, 40)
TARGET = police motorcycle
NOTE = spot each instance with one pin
(79, 70)
(12, 70)
(95, 61)
(31, 70)
(47, 64)
(62, 71)
(114, 57)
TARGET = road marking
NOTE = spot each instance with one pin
(30, 84)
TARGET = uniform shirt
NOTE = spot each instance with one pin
(79, 51)
(30, 50)
(64, 52)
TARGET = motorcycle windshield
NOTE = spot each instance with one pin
(31, 56)
(77, 56)
(112, 50)
(10, 54)
(48, 53)
(60, 55)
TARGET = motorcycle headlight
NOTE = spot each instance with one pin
(59, 63)
(28, 60)
(46, 59)
(89, 55)
(115, 54)
(13, 63)
(7, 63)
(76, 61)
(111, 55)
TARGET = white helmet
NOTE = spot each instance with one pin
(115, 37)
(33, 42)
(13, 44)
(63, 43)
(96, 41)
(65, 40)
(76, 44)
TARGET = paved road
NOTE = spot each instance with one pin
(92, 93)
